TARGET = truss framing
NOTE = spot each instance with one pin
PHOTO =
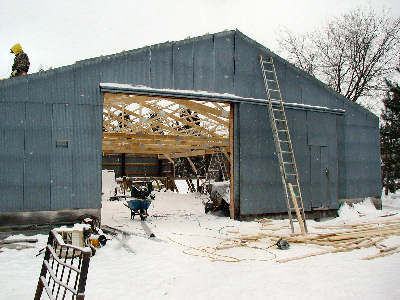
(167, 126)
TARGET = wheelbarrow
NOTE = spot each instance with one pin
(138, 207)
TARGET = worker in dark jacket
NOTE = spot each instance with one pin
(21, 61)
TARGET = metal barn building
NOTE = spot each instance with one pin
(51, 137)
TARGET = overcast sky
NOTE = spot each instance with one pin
(58, 33)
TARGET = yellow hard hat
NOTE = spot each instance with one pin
(16, 49)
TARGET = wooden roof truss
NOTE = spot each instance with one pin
(170, 127)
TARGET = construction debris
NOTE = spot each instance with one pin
(347, 238)
(282, 244)
(2, 242)
(15, 246)
(14, 243)
(219, 198)
(343, 238)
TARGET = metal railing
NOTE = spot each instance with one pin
(64, 270)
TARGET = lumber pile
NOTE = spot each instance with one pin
(342, 238)
(339, 238)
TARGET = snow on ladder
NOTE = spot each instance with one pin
(283, 144)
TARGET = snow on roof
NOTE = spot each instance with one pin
(202, 95)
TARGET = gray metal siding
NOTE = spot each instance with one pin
(261, 188)
(38, 134)
(85, 164)
(260, 182)
(63, 86)
(61, 159)
(40, 87)
(361, 159)
(248, 80)
(289, 83)
(161, 73)
(236, 155)
(355, 160)
(17, 90)
(224, 63)
(12, 124)
(204, 64)
(86, 83)
(298, 125)
(341, 157)
(183, 65)
(323, 153)
(137, 67)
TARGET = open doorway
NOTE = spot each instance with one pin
(162, 138)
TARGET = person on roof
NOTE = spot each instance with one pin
(21, 61)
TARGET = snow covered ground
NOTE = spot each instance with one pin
(180, 263)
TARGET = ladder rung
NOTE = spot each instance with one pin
(280, 120)
(272, 80)
(288, 163)
(286, 151)
(273, 90)
(283, 130)
(268, 71)
(291, 174)
(267, 62)
(281, 141)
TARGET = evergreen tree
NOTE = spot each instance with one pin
(390, 138)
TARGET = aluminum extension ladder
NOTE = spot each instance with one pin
(283, 144)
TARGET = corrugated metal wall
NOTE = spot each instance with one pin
(316, 150)
(225, 62)
(12, 126)
(56, 144)
(347, 145)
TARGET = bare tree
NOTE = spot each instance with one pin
(353, 53)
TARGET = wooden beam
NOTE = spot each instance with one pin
(108, 164)
(169, 144)
(160, 137)
(159, 148)
(179, 119)
(137, 135)
(217, 114)
(194, 105)
(192, 164)
(169, 158)
(189, 154)
(226, 154)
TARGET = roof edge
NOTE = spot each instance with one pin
(205, 96)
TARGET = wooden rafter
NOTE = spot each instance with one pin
(188, 154)
(164, 126)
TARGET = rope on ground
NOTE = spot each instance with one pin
(211, 252)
